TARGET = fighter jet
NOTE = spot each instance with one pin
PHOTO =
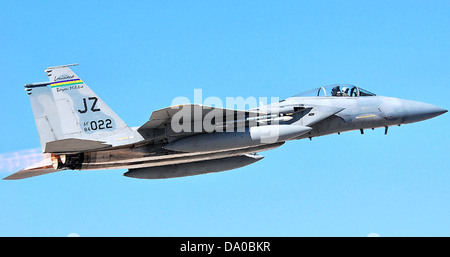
(78, 131)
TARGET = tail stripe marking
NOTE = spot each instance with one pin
(66, 83)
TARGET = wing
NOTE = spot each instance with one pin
(189, 119)
(197, 112)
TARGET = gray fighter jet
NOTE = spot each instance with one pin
(78, 131)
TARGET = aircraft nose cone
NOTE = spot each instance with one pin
(418, 111)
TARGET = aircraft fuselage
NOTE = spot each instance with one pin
(79, 131)
(358, 113)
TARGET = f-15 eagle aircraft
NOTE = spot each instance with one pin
(78, 131)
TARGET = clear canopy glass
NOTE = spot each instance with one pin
(339, 90)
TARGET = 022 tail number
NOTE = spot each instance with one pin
(97, 125)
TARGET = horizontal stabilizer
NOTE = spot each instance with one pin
(30, 173)
(71, 145)
(40, 168)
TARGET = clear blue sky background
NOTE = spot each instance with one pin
(139, 55)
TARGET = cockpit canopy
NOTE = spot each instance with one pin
(339, 90)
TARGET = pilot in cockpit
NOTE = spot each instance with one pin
(336, 91)
(345, 91)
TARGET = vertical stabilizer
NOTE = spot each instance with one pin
(45, 114)
(66, 108)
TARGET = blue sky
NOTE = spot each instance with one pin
(139, 55)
